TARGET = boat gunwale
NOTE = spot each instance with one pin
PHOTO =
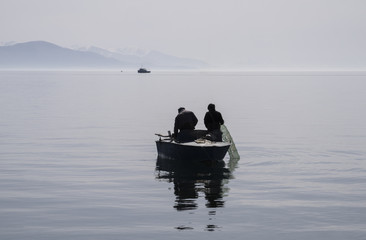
(197, 144)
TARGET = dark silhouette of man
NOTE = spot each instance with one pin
(213, 120)
(185, 120)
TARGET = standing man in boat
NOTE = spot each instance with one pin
(185, 120)
(213, 120)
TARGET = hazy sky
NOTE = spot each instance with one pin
(229, 32)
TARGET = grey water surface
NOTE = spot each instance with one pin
(78, 158)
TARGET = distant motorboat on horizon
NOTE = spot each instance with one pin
(143, 70)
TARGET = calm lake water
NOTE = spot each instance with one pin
(78, 157)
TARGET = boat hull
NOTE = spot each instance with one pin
(192, 150)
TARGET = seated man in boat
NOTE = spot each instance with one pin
(213, 120)
(184, 122)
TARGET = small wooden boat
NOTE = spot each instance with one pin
(196, 148)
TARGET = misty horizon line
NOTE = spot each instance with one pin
(249, 72)
(208, 67)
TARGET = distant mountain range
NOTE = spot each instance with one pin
(45, 55)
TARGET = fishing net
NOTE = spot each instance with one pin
(226, 137)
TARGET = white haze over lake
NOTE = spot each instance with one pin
(324, 34)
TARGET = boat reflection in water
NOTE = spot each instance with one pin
(193, 179)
